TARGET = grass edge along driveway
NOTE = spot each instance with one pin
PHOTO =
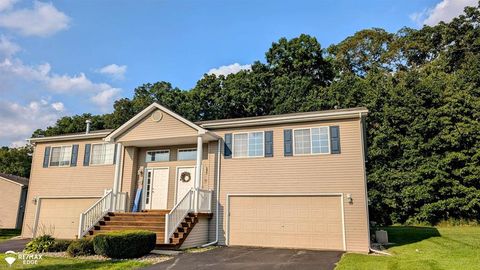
(423, 248)
(6, 234)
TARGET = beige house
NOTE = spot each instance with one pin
(287, 181)
(13, 193)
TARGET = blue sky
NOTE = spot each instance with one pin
(67, 57)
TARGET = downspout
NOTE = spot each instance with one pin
(217, 190)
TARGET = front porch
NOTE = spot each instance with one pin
(171, 226)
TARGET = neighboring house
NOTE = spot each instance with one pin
(289, 181)
(13, 193)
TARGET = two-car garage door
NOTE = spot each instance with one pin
(310, 222)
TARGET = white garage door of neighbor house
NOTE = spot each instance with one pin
(309, 222)
(60, 217)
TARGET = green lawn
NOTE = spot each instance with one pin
(8, 233)
(73, 264)
(423, 248)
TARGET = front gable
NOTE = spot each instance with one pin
(157, 125)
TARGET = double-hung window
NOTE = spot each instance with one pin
(102, 154)
(157, 155)
(249, 144)
(187, 154)
(311, 141)
(61, 156)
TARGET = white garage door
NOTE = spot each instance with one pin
(310, 222)
(60, 217)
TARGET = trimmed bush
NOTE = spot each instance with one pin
(40, 244)
(124, 244)
(81, 247)
(60, 246)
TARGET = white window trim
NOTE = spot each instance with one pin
(248, 144)
(157, 150)
(182, 149)
(51, 152)
(103, 164)
(311, 142)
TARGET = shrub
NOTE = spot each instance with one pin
(81, 247)
(124, 244)
(40, 244)
(59, 245)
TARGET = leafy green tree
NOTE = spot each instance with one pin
(16, 161)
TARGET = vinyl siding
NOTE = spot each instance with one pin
(147, 129)
(64, 181)
(199, 235)
(339, 173)
(10, 199)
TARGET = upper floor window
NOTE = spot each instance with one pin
(157, 155)
(61, 156)
(249, 144)
(187, 154)
(311, 141)
(102, 153)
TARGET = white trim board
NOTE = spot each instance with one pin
(227, 212)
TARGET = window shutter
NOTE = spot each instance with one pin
(73, 160)
(227, 151)
(86, 158)
(115, 154)
(335, 139)
(46, 157)
(287, 143)
(268, 143)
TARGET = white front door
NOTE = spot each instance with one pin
(156, 188)
(187, 183)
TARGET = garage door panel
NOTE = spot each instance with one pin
(60, 217)
(313, 222)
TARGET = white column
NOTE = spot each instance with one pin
(198, 172)
(116, 179)
(198, 168)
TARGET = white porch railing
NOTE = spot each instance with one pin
(203, 200)
(98, 210)
(177, 214)
(196, 200)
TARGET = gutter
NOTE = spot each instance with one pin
(217, 190)
(69, 137)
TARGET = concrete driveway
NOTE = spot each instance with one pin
(252, 258)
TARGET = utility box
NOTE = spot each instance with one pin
(381, 236)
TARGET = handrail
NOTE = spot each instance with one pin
(94, 214)
(178, 214)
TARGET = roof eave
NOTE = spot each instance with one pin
(287, 119)
(69, 137)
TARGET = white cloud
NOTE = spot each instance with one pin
(19, 121)
(114, 70)
(7, 47)
(42, 20)
(105, 98)
(445, 11)
(230, 69)
(58, 106)
(6, 4)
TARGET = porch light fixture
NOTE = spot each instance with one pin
(349, 198)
